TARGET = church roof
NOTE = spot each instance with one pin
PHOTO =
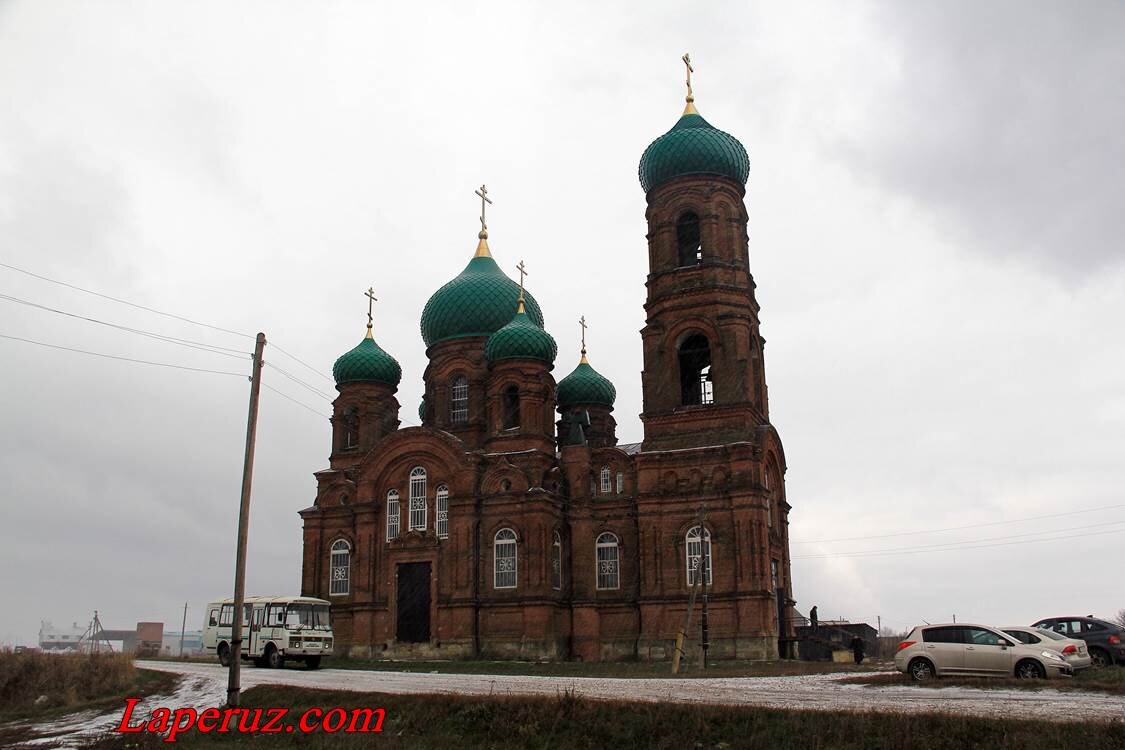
(367, 363)
(478, 302)
(521, 338)
(585, 386)
(693, 146)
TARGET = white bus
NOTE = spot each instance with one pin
(274, 629)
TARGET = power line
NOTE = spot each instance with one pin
(960, 528)
(201, 345)
(123, 359)
(300, 361)
(298, 403)
(300, 382)
(126, 302)
(951, 548)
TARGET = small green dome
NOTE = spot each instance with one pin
(479, 302)
(521, 339)
(367, 363)
(422, 411)
(584, 386)
(693, 146)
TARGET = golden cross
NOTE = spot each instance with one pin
(371, 300)
(523, 272)
(483, 193)
(582, 322)
(690, 70)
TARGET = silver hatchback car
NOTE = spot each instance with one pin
(974, 650)
(1072, 649)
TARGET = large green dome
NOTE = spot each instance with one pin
(521, 339)
(693, 146)
(367, 363)
(584, 386)
(479, 302)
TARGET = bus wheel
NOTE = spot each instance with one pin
(312, 662)
(224, 654)
(273, 657)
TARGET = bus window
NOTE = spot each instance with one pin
(213, 620)
(246, 614)
(308, 616)
(226, 616)
(275, 616)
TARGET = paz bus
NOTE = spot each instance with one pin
(275, 629)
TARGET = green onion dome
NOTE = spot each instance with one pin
(367, 363)
(479, 302)
(693, 146)
(521, 339)
(422, 411)
(584, 386)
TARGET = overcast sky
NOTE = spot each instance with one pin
(935, 198)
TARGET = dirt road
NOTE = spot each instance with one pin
(813, 692)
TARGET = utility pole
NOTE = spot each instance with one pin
(233, 686)
(677, 655)
(879, 635)
(182, 628)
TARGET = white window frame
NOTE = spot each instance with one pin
(340, 564)
(556, 561)
(504, 548)
(608, 555)
(459, 400)
(441, 512)
(607, 486)
(697, 544)
(417, 519)
(620, 482)
(394, 515)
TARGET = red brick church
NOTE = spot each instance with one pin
(512, 524)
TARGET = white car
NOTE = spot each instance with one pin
(974, 650)
(1072, 649)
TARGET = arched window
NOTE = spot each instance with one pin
(698, 549)
(417, 499)
(609, 571)
(504, 559)
(441, 512)
(340, 561)
(607, 487)
(688, 248)
(620, 482)
(695, 371)
(459, 400)
(511, 407)
(556, 561)
(392, 515)
(351, 427)
(769, 500)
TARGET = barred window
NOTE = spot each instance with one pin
(504, 559)
(459, 400)
(698, 549)
(606, 486)
(340, 566)
(417, 521)
(556, 561)
(608, 564)
(392, 515)
(441, 512)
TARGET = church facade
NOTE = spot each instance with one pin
(511, 523)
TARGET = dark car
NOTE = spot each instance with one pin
(1105, 640)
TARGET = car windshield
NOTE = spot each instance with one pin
(1052, 634)
(314, 616)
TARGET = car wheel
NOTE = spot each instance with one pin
(224, 654)
(274, 659)
(921, 670)
(1099, 658)
(1030, 670)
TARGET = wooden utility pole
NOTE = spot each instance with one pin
(677, 655)
(233, 686)
(183, 627)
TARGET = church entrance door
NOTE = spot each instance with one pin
(413, 603)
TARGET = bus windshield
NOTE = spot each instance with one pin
(308, 616)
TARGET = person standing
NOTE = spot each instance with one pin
(812, 618)
(858, 648)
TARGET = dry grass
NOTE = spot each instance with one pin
(566, 721)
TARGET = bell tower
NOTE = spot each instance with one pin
(703, 380)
